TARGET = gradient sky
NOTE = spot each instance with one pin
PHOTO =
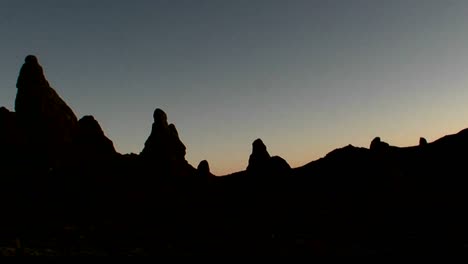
(305, 76)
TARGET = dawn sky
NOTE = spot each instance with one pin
(304, 76)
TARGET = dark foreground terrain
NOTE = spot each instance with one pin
(66, 191)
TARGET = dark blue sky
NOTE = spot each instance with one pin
(305, 76)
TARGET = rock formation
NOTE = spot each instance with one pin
(203, 169)
(91, 142)
(279, 165)
(422, 142)
(261, 163)
(378, 145)
(163, 147)
(50, 125)
(259, 157)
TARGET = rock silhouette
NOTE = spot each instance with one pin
(279, 166)
(259, 157)
(91, 142)
(261, 163)
(203, 169)
(50, 125)
(378, 145)
(352, 201)
(422, 141)
(163, 147)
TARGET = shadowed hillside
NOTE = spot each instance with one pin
(66, 191)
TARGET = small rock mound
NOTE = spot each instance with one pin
(378, 145)
(279, 165)
(422, 142)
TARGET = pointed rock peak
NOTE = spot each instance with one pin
(160, 118)
(259, 147)
(47, 120)
(422, 141)
(163, 145)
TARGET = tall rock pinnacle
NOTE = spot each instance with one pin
(50, 125)
(259, 156)
(163, 147)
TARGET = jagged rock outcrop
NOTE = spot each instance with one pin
(378, 145)
(91, 142)
(422, 142)
(49, 123)
(259, 157)
(163, 148)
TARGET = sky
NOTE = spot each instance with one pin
(305, 76)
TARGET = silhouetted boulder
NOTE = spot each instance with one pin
(375, 143)
(203, 169)
(163, 147)
(259, 157)
(422, 142)
(378, 145)
(48, 122)
(91, 142)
